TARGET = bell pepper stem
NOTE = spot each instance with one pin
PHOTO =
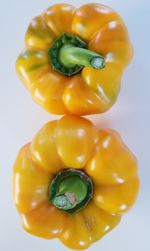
(71, 55)
(70, 190)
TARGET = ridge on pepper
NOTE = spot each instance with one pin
(74, 59)
(74, 182)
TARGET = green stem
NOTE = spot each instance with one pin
(69, 56)
(70, 190)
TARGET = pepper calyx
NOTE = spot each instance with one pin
(70, 190)
(69, 54)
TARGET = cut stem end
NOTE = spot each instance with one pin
(70, 190)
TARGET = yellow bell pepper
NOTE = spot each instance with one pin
(74, 181)
(74, 58)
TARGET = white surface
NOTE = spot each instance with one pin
(21, 118)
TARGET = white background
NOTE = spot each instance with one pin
(21, 118)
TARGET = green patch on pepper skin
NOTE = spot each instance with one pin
(38, 34)
(30, 53)
(40, 29)
(35, 66)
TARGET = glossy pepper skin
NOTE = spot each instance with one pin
(74, 142)
(91, 90)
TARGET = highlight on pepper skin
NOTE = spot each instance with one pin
(74, 182)
(74, 58)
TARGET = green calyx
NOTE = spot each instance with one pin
(70, 190)
(69, 54)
